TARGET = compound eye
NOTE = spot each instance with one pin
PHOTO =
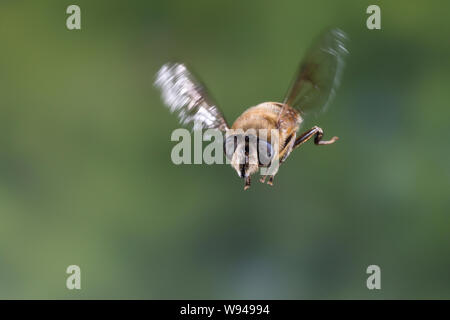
(265, 152)
(230, 146)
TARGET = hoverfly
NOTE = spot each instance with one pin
(312, 89)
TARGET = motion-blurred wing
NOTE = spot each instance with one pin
(319, 73)
(182, 93)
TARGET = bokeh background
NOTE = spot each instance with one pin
(86, 176)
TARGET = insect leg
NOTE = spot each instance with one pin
(247, 183)
(318, 132)
(270, 181)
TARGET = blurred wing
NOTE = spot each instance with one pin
(319, 73)
(182, 93)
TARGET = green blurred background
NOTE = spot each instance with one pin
(86, 176)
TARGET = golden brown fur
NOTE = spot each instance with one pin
(266, 115)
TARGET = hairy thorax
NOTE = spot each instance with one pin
(266, 115)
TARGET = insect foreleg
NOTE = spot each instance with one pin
(270, 181)
(318, 133)
(247, 183)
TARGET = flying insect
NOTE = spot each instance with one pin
(312, 89)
